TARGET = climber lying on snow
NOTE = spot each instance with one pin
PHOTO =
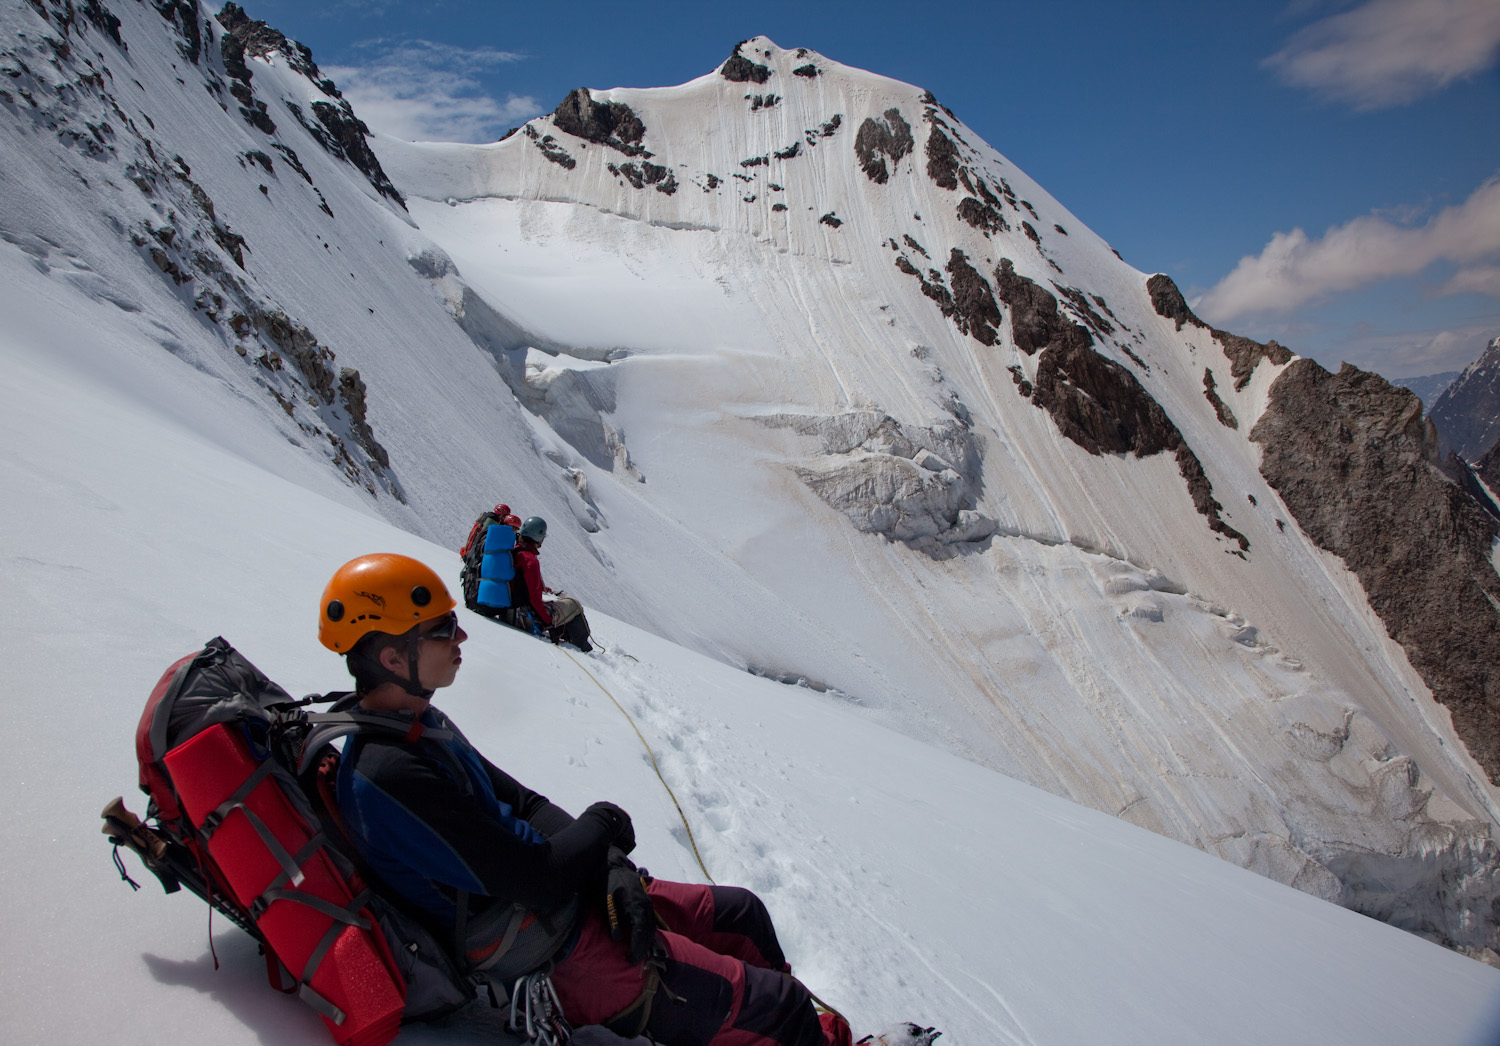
(527, 885)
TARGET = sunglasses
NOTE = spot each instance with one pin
(447, 628)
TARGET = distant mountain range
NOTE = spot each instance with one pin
(1467, 414)
(1428, 387)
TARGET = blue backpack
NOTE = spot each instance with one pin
(497, 568)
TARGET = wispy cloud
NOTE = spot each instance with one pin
(1415, 353)
(425, 91)
(1389, 52)
(1478, 279)
(1294, 269)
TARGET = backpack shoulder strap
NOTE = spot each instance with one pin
(327, 726)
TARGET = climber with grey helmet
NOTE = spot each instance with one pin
(561, 617)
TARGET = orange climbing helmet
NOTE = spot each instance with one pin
(383, 592)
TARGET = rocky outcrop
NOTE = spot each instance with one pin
(244, 36)
(1467, 414)
(646, 174)
(982, 216)
(1221, 409)
(876, 140)
(1168, 301)
(970, 304)
(974, 304)
(184, 17)
(1094, 401)
(1035, 320)
(942, 160)
(353, 392)
(741, 70)
(1243, 353)
(1356, 463)
(612, 124)
(347, 137)
(1488, 469)
(333, 124)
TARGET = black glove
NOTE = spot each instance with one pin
(627, 907)
(624, 836)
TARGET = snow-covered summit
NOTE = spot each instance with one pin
(827, 312)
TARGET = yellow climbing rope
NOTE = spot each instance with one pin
(687, 827)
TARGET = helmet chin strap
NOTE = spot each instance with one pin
(412, 684)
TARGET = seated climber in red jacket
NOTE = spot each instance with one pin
(562, 617)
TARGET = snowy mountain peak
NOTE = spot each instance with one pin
(1467, 414)
(805, 377)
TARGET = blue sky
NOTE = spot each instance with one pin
(1325, 173)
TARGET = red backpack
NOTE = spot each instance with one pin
(219, 747)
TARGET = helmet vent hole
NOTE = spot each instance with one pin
(335, 610)
(420, 596)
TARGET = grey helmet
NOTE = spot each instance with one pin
(535, 529)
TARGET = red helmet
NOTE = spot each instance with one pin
(512, 521)
(502, 510)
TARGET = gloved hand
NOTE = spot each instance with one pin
(627, 907)
(624, 837)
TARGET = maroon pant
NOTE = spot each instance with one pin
(725, 980)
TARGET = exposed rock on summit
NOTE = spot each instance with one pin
(1353, 459)
(741, 70)
(336, 127)
(608, 123)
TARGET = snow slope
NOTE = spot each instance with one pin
(699, 392)
(907, 883)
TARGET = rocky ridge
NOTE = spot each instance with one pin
(62, 86)
(1357, 464)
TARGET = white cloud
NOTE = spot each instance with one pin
(432, 92)
(1418, 352)
(1294, 269)
(1388, 52)
(1478, 279)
